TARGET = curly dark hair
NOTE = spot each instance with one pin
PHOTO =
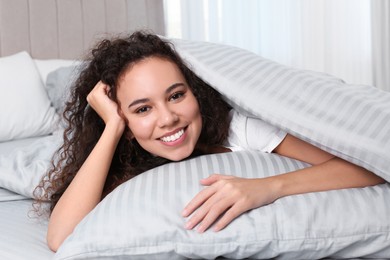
(107, 62)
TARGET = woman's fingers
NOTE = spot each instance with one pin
(212, 214)
(197, 201)
(218, 205)
(232, 213)
(100, 100)
(207, 211)
(227, 198)
(99, 89)
(202, 196)
(210, 203)
(214, 178)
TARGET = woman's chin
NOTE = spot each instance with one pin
(176, 157)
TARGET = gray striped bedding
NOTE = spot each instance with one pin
(141, 218)
(350, 121)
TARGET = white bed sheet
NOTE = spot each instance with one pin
(6, 195)
(22, 235)
(10, 146)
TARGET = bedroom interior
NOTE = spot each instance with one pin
(41, 44)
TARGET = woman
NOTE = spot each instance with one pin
(135, 106)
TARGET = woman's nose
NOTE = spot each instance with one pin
(167, 117)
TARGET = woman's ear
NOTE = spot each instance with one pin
(129, 135)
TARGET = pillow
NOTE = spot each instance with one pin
(50, 65)
(25, 109)
(24, 162)
(57, 85)
(141, 218)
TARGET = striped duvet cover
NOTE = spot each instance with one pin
(350, 121)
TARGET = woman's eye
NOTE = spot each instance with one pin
(142, 110)
(176, 95)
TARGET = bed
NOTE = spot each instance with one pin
(141, 218)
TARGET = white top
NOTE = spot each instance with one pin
(246, 133)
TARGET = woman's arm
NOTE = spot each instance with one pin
(327, 172)
(85, 190)
(229, 196)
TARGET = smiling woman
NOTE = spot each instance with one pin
(136, 105)
(107, 144)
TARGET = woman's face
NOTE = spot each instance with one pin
(162, 112)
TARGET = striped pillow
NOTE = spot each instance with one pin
(141, 218)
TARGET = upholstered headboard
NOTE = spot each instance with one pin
(66, 28)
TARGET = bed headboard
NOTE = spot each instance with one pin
(66, 28)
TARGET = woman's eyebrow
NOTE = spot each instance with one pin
(138, 101)
(176, 85)
(144, 100)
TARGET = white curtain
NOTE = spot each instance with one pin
(332, 36)
(381, 43)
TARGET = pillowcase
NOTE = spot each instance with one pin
(25, 109)
(49, 65)
(24, 162)
(58, 84)
(141, 218)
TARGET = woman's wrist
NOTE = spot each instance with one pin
(276, 185)
(270, 189)
(290, 183)
(116, 127)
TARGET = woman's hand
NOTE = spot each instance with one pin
(99, 99)
(228, 197)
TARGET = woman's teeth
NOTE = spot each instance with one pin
(173, 137)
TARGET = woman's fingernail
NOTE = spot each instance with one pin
(188, 225)
(200, 229)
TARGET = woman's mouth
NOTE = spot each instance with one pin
(173, 137)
